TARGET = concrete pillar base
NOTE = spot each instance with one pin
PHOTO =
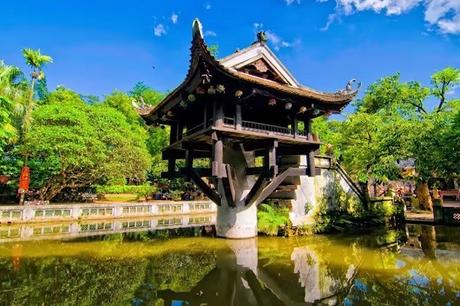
(236, 222)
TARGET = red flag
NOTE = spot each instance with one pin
(24, 179)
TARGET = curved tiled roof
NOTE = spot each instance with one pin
(200, 50)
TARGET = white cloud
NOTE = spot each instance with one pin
(278, 42)
(289, 2)
(174, 18)
(159, 30)
(444, 14)
(210, 33)
(207, 6)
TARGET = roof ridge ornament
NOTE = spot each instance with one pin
(349, 87)
(197, 28)
(262, 37)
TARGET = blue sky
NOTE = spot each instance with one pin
(102, 45)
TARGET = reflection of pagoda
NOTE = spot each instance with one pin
(232, 111)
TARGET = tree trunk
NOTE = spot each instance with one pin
(365, 189)
(428, 241)
(423, 195)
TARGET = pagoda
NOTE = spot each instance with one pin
(249, 121)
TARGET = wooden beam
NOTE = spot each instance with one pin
(229, 188)
(256, 189)
(307, 128)
(238, 116)
(254, 170)
(171, 166)
(218, 157)
(270, 159)
(258, 145)
(180, 130)
(202, 172)
(208, 191)
(295, 127)
(173, 133)
(189, 159)
(180, 154)
(268, 190)
(311, 163)
(196, 146)
(218, 110)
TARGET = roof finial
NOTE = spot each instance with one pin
(262, 37)
(197, 28)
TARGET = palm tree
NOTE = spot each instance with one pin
(35, 60)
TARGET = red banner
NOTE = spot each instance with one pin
(24, 179)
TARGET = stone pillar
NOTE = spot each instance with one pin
(239, 221)
(236, 222)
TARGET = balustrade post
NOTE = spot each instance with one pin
(238, 118)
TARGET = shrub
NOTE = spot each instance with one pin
(141, 190)
(272, 218)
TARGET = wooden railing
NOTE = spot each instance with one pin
(256, 126)
(194, 129)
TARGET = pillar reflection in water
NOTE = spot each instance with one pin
(232, 282)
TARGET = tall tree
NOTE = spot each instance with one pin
(35, 60)
(73, 144)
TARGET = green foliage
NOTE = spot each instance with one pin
(73, 145)
(35, 59)
(142, 190)
(383, 208)
(214, 50)
(340, 211)
(392, 122)
(147, 94)
(271, 219)
(7, 130)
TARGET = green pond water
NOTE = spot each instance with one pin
(417, 265)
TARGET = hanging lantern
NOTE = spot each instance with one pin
(191, 98)
(302, 109)
(238, 93)
(272, 102)
(288, 106)
(169, 113)
(211, 90)
(200, 90)
(220, 88)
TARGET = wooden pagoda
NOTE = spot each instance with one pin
(241, 113)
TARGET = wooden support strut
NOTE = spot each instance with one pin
(229, 188)
(268, 190)
(208, 191)
(270, 159)
(196, 178)
(217, 157)
(256, 189)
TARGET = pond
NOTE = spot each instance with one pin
(416, 265)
